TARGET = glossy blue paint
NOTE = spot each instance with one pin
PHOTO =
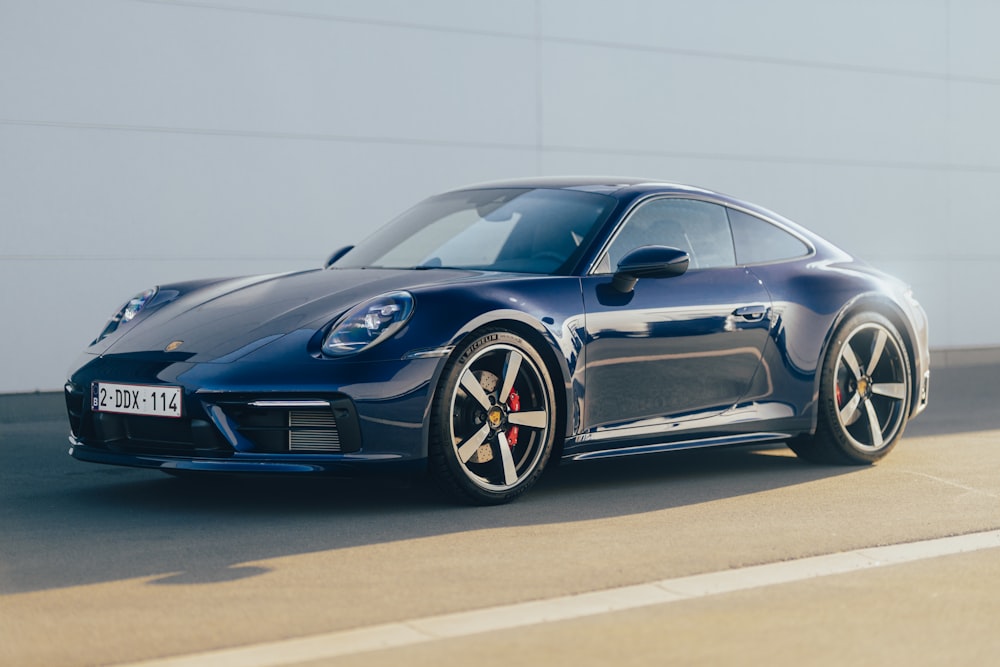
(716, 356)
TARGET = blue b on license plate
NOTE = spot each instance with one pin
(136, 399)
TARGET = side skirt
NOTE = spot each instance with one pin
(697, 443)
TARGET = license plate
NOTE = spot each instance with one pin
(136, 399)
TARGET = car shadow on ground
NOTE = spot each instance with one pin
(66, 523)
(611, 486)
(111, 523)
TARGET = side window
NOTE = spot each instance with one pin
(758, 241)
(699, 228)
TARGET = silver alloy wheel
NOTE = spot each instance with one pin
(500, 417)
(871, 387)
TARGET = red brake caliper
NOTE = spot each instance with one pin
(513, 405)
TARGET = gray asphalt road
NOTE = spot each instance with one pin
(101, 565)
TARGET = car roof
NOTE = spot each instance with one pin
(629, 189)
(600, 184)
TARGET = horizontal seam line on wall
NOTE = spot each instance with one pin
(334, 18)
(780, 159)
(545, 148)
(176, 258)
(780, 62)
(619, 46)
(259, 134)
(874, 259)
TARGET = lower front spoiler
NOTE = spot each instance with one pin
(344, 465)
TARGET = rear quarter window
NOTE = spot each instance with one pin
(757, 241)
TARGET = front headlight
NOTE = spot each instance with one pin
(369, 324)
(128, 312)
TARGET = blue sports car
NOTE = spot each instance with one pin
(495, 329)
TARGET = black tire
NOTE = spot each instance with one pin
(864, 396)
(493, 421)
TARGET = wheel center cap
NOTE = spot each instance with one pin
(864, 387)
(495, 416)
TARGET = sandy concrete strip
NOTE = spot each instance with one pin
(461, 624)
(772, 574)
(543, 611)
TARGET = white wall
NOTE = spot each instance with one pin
(144, 141)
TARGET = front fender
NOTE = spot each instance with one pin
(549, 315)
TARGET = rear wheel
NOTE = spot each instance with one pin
(864, 395)
(493, 422)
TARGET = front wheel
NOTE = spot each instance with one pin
(864, 395)
(493, 422)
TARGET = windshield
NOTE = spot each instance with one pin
(516, 230)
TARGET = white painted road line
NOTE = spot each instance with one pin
(461, 624)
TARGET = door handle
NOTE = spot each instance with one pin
(752, 313)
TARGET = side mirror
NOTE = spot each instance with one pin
(337, 254)
(651, 261)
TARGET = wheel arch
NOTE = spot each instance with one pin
(548, 348)
(880, 304)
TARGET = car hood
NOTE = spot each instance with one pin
(226, 320)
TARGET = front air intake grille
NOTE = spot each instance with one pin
(312, 431)
(136, 434)
(75, 409)
(295, 425)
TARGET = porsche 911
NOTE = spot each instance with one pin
(493, 330)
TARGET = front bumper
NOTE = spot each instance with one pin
(343, 419)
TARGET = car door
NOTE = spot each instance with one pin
(673, 350)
